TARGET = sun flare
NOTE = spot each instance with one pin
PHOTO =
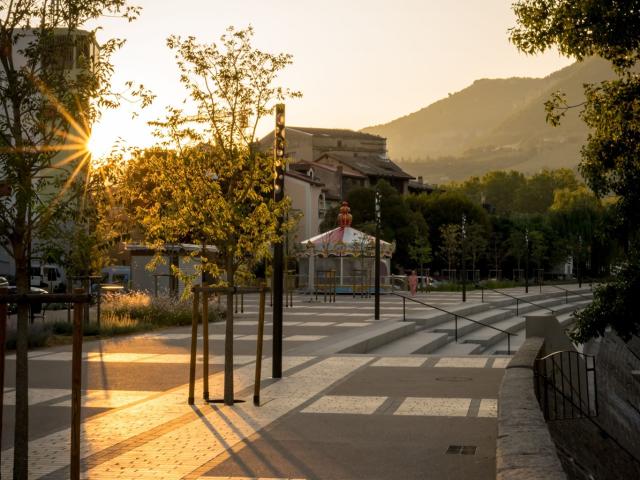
(99, 146)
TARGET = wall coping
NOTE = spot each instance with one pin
(525, 449)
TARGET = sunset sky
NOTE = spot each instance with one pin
(357, 62)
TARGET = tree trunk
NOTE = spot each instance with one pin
(21, 436)
(228, 334)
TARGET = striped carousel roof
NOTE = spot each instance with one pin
(344, 240)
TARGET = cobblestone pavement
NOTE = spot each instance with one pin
(330, 416)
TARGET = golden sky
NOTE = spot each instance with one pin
(357, 62)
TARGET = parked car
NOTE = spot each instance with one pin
(36, 308)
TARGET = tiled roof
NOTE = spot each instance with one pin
(336, 132)
(303, 177)
(372, 165)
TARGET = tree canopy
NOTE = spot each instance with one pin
(610, 161)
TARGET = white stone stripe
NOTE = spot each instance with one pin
(434, 407)
(462, 362)
(501, 362)
(51, 452)
(488, 408)
(411, 406)
(361, 405)
(399, 362)
(192, 445)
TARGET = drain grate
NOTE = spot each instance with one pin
(461, 450)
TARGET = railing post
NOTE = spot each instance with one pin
(482, 293)
(404, 311)
(456, 322)
(566, 296)
(508, 344)
(76, 379)
(194, 338)
(242, 303)
(256, 386)
(3, 341)
(517, 307)
(205, 344)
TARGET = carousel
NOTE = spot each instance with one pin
(343, 258)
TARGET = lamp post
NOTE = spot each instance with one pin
(579, 267)
(526, 263)
(464, 263)
(278, 248)
(377, 264)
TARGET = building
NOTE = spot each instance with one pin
(71, 53)
(307, 204)
(308, 144)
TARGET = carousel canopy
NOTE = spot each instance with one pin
(344, 240)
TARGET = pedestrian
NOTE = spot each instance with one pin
(413, 283)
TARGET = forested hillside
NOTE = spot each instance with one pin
(491, 125)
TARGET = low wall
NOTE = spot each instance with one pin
(525, 450)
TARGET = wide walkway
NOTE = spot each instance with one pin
(332, 416)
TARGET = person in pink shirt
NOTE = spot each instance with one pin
(413, 282)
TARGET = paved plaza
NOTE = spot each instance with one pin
(331, 416)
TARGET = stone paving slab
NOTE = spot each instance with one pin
(354, 432)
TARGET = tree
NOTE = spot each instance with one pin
(451, 242)
(399, 222)
(420, 252)
(205, 182)
(611, 110)
(53, 82)
(476, 240)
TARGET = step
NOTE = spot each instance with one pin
(435, 317)
(455, 349)
(466, 326)
(486, 336)
(358, 340)
(565, 319)
(419, 342)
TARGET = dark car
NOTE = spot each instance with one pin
(36, 308)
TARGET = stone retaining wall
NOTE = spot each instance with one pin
(525, 450)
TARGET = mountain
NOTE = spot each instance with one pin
(494, 124)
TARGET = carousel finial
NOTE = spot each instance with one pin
(344, 217)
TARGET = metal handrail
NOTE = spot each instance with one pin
(517, 299)
(567, 291)
(456, 316)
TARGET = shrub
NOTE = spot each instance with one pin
(158, 311)
(39, 335)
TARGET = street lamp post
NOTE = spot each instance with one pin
(377, 265)
(464, 263)
(579, 266)
(278, 248)
(526, 263)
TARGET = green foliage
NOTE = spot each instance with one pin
(611, 111)
(513, 192)
(615, 305)
(399, 223)
(205, 183)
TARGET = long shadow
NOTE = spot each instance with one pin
(236, 457)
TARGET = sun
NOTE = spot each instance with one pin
(99, 146)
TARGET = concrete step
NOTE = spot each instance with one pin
(565, 319)
(454, 349)
(419, 342)
(358, 340)
(465, 327)
(536, 297)
(486, 336)
(434, 317)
